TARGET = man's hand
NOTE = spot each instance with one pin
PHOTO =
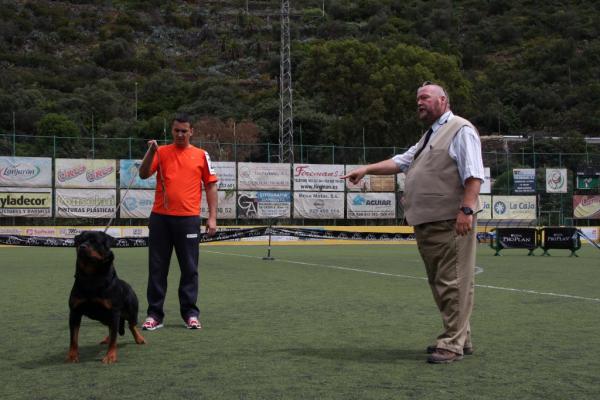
(355, 175)
(211, 226)
(464, 223)
(152, 145)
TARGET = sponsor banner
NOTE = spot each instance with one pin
(485, 202)
(72, 231)
(561, 238)
(84, 173)
(400, 179)
(517, 238)
(137, 203)
(587, 180)
(225, 204)
(227, 173)
(318, 177)
(592, 232)
(556, 180)
(25, 202)
(370, 205)
(46, 231)
(85, 203)
(586, 206)
(26, 171)
(318, 205)
(129, 176)
(486, 186)
(524, 180)
(264, 176)
(371, 183)
(135, 231)
(514, 207)
(257, 205)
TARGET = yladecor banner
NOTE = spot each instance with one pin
(370, 205)
(319, 205)
(264, 176)
(26, 171)
(129, 176)
(225, 205)
(524, 180)
(257, 205)
(586, 206)
(227, 174)
(485, 203)
(25, 202)
(84, 173)
(318, 177)
(371, 183)
(514, 207)
(486, 186)
(556, 180)
(85, 203)
(137, 203)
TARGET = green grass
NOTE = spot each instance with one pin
(315, 323)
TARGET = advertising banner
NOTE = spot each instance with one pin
(524, 180)
(556, 180)
(486, 186)
(84, 173)
(25, 202)
(227, 174)
(85, 203)
(485, 202)
(370, 205)
(400, 179)
(129, 178)
(588, 180)
(226, 205)
(137, 203)
(514, 207)
(371, 183)
(264, 176)
(26, 171)
(517, 238)
(257, 205)
(586, 206)
(319, 205)
(318, 177)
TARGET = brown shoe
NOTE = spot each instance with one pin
(467, 351)
(441, 356)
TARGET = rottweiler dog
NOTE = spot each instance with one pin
(100, 295)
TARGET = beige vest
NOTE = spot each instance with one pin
(433, 189)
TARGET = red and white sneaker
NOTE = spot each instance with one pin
(193, 323)
(150, 324)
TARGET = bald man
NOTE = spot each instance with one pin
(444, 172)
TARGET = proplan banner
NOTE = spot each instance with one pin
(257, 205)
(319, 205)
(225, 207)
(227, 174)
(586, 206)
(84, 173)
(370, 205)
(137, 203)
(26, 171)
(25, 202)
(485, 202)
(486, 186)
(129, 176)
(264, 176)
(371, 183)
(556, 180)
(514, 207)
(85, 203)
(524, 180)
(318, 177)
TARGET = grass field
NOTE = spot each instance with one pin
(318, 322)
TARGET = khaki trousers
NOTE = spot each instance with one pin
(450, 263)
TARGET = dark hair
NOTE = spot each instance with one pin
(182, 118)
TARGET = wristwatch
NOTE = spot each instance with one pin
(467, 210)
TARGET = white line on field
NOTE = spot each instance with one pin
(477, 271)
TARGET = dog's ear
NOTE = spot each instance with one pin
(78, 239)
(108, 241)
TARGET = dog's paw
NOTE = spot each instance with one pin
(72, 357)
(110, 358)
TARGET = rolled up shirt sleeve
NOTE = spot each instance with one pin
(404, 160)
(465, 149)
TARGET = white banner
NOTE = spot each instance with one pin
(137, 203)
(370, 205)
(129, 176)
(524, 180)
(84, 173)
(256, 205)
(25, 202)
(227, 174)
(318, 205)
(485, 203)
(371, 183)
(85, 203)
(556, 180)
(486, 186)
(400, 179)
(265, 176)
(318, 177)
(514, 207)
(26, 171)
(226, 204)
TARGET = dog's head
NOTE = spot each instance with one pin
(93, 249)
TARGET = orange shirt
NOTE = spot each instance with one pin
(183, 170)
